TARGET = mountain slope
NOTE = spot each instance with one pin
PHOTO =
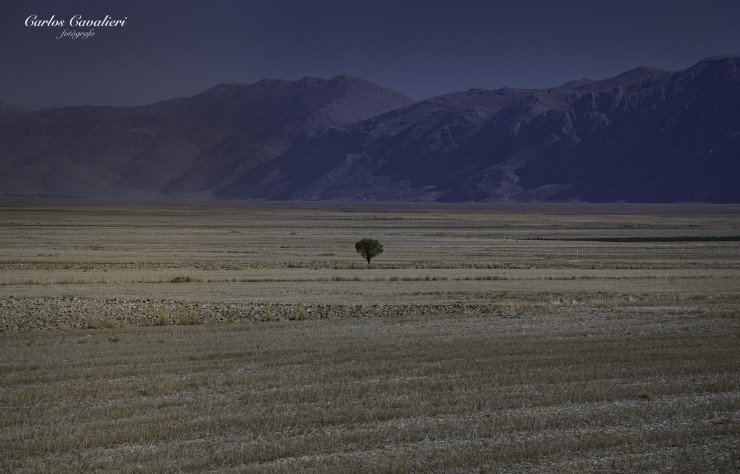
(180, 146)
(645, 135)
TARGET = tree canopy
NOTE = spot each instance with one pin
(369, 248)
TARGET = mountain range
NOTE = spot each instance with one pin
(646, 135)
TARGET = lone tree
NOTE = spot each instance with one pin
(369, 248)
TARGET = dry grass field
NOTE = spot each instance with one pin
(252, 337)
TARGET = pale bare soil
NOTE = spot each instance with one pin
(471, 344)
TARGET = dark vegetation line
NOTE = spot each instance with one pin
(729, 238)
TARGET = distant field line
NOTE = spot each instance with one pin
(730, 238)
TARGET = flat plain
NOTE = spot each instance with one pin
(252, 337)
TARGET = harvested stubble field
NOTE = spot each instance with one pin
(252, 337)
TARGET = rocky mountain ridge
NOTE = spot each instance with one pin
(646, 135)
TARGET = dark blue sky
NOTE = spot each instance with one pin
(418, 47)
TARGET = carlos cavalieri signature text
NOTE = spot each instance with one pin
(77, 21)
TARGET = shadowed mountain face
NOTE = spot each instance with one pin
(184, 147)
(644, 136)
